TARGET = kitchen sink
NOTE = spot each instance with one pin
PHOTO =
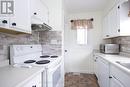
(127, 65)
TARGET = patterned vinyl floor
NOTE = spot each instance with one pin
(81, 80)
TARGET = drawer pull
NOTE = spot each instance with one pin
(35, 13)
(34, 86)
(110, 77)
(4, 22)
(13, 24)
(107, 35)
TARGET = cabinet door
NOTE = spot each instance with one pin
(55, 14)
(124, 19)
(115, 83)
(113, 22)
(35, 12)
(106, 32)
(44, 12)
(21, 20)
(39, 12)
(103, 73)
(34, 82)
(120, 76)
(95, 65)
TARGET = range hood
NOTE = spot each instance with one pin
(41, 27)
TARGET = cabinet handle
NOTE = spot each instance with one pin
(4, 22)
(35, 13)
(13, 24)
(96, 59)
(118, 7)
(118, 30)
(107, 35)
(66, 50)
(34, 86)
(110, 77)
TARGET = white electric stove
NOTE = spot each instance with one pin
(27, 56)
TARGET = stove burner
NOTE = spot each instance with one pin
(45, 56)
(54, 56)
(30, 61)
(42, 62)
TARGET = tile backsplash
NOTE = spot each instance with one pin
(124, 43)
(51, 42)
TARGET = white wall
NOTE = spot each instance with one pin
(79, 58)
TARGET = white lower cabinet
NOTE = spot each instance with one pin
(115, 82)
(103, 72)
(118, 77)
(34, 82)
(109, 75)
(95, 65)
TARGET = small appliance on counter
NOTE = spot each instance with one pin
(109, 48)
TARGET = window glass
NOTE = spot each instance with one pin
(82, 36)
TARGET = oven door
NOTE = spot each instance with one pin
(54, 75)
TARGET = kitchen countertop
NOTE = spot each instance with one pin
(15, 77)
(114, 58)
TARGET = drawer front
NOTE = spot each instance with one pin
(121, 76)
(103, 60)
(115, 83)
(34, 82)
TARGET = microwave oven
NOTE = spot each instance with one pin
(109, 48)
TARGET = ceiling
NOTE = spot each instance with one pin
(84, 5)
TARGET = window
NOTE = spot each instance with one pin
(82, 25)
(82, 36)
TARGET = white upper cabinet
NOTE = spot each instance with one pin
(55, 14)
(27, 12)
(19, 21)
(124, 19)
(116, 22)
(112, 22)
(39, 12)
(106, 31)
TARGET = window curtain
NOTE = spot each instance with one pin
(82, 24)
(129, 8)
